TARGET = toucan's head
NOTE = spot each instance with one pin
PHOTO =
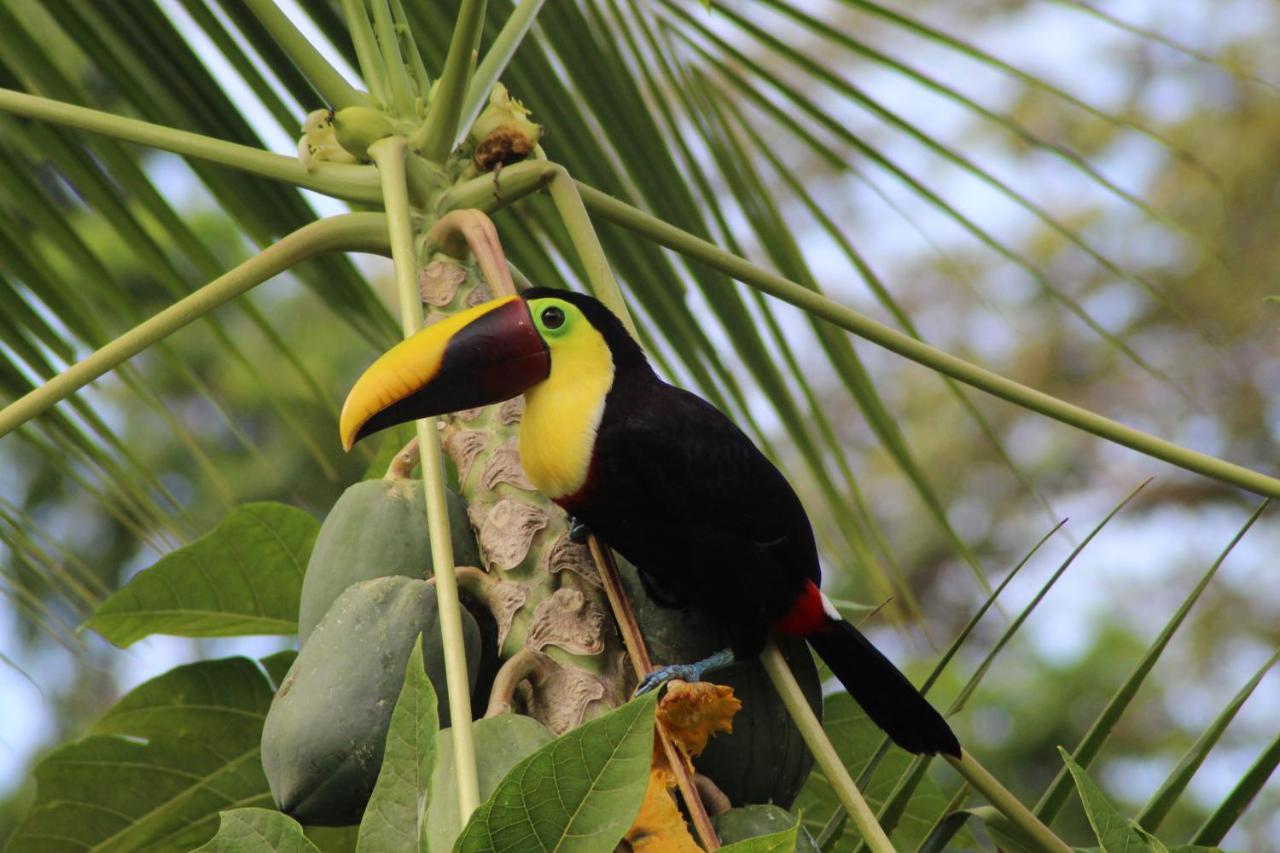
(487, 354)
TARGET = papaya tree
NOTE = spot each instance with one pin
(465, 666)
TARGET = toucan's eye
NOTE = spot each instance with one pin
(552, 317)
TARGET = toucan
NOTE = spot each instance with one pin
(664, 477)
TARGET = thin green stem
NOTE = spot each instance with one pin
(573, 213)
(495, 62)
(351, 232)
(409, 48)
(698, 249)
(353, 183)
(1006, 803)
(445, 110)
(398, 82)
(823, 752)
(493, 192)
(332, 85)
(389, 155)
(366, 50)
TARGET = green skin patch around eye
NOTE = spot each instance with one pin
(568, 316)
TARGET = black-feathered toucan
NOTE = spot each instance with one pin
(663, 476)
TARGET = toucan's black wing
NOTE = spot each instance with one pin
(684, 494)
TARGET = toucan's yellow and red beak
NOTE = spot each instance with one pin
(483, 355)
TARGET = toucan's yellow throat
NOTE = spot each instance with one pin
(543, 345)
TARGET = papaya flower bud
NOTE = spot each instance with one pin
(503, 133)
(319, 142)
(357, 128)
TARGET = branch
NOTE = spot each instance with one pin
(445, 110)
(495, 62)
(351, 232)
(825, 754)
(333, 87)
(366, 47)
(642, 665)
(352, 183)
(1006, 803)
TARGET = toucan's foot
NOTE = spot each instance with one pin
(578, 532)
(685, 671)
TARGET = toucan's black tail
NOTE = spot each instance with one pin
(883, 691)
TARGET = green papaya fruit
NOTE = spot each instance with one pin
(501, 742)
(749, 821)
(324, 735)
(377, 528)
(764, 759)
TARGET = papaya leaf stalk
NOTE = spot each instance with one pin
(445, 111)
(846, 789)
(344, 181)
(349, 232)
(389, 155)
(664, 234)
(332, 86)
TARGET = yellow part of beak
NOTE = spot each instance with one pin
(404, 369)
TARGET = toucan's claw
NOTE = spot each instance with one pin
(685, 671)
(578, 532)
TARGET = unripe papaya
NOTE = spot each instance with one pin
(764, 759)
(750, 821)
(500, 743)
(324, 735)
(377, 528)
(359, 127)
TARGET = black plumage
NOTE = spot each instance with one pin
(710, 523)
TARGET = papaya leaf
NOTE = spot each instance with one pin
(500, 742)
(943, 831)
(1116, 833)
(244, 577)
(577, 794)
(1006, 835)
(762, 823)
(774, 842)
(155, 770)
(257, 831)
(856, 740)
(393, 820)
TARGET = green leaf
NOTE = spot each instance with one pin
(156, 769)
(943, 831)
(257, 831)
(1115, 832)
(393, 820)
(1091, 744)
(1163, 800)
(242, 578)
(775, 842)
(578, 794)
(1229, 810)
(1004, 832)
(500, 742)
(856, 740)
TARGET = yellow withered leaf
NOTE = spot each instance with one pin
(659, 827)
(691, 713)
